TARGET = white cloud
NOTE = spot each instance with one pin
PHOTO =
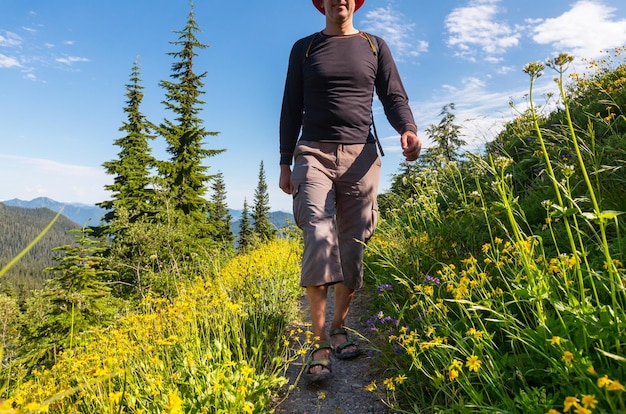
(392, 26)
(474, 29)
(9, 39)
(8, 62)
(586, 30)
(27, 178)
(69, 60)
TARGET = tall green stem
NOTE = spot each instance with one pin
(559, 65)
(534, 74)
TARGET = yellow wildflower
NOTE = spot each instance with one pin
(592, 370)
(553, 411)
(555, 340)
(473, 363)
(115, 397)
(568, 357)
(400, 379)
(456, 364)
(589, 401)
(569, 403)
(453, 374)
(389, 384)
(248, 408)
(36, 407)
(175, 404)
(321, 395)
(371, 386)
(242, 390)
(604, 381)
(246, 371)
(475, 333)
(615, 386)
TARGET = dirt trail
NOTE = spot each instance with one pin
(345, 393)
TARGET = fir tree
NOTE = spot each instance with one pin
(447, 139)
(219, 216)
(132, 189)
(261, 213)
(246, 235)
(74, 300)
(185, 176)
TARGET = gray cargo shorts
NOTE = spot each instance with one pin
(334, 203)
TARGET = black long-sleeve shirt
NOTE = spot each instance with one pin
(329, 91)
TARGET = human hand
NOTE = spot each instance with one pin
(284, 182)
(411, 145)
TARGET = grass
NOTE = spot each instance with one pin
(218, 347)
(520, 323)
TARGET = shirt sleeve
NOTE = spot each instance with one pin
(293, 104)
(391, 92)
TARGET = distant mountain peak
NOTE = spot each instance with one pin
(82, 214)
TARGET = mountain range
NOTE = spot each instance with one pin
(81, 214)
(90, 215)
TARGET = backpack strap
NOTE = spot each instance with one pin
(369, 39)
(308, 49)
(375, 51)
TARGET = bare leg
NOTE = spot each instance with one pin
(343, 298)
(317, 307)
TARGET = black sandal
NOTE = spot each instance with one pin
(348, 343)
(318, 363)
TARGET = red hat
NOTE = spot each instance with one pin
(318, 5)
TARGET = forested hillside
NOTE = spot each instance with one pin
(18, 227)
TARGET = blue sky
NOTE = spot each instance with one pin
(64, 66)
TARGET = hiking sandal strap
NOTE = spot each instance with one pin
(347, 343)
(319, 363)
(339, 331)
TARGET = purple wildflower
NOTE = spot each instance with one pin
(382, 288)
(431, 279)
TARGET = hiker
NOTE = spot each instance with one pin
(325, 131)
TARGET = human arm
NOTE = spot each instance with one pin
(411, 145)
(393, 96)
(292, 105)
(284, 181)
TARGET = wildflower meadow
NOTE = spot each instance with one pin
(218, 347)
(501, 290)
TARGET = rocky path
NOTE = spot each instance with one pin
(346, 392)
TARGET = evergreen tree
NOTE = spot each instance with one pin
(132, 185)
(185, 176)
(261, 213)
(246, 235)
(219, 216)
(447, 139)
(74, 300)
